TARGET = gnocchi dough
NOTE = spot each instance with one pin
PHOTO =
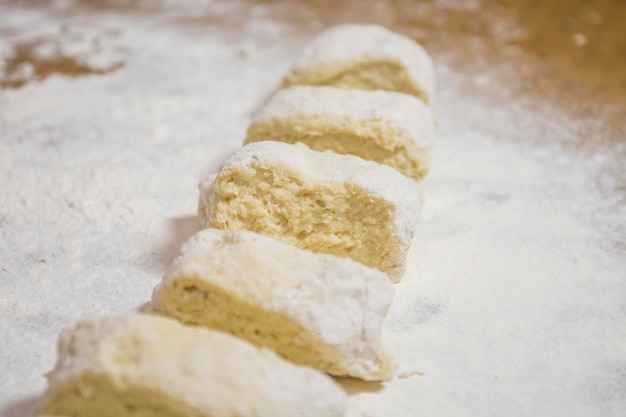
(325, 202)
(313, 309)
(151, 366)
(389, 128)
(368, 57)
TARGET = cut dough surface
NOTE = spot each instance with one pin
(314, 309)
(151, 366)
(390, 128)
(321, 201)
(369, 57)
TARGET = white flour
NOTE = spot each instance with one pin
(514, 298)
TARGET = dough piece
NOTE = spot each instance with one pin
(313, 309)
(321, 201)
(369, 57)
(390, 128)
(151, 366)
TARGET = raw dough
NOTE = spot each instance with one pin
(321, 201)
(314, 309)
(151, 366)
(390, 128)
(370, 57)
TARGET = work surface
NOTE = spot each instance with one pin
(514, 302)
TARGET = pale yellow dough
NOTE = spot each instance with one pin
(390, 128)
(313, 309)
(325, 202)
(366, 56)
(150, 366)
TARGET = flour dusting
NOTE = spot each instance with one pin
(514, 294)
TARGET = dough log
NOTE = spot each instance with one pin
(313, 309)
(369, 57)
(389, 128)
(151, 366)
(325, 202)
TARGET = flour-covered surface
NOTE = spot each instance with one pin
(514, 302)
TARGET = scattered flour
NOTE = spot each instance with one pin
(514, 297)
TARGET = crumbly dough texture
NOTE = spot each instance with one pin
(313, 309)
(367, 56)
(151, 366)
(321, 201)
(390, 128)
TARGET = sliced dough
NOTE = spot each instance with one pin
(321, 201)
(390, 128)
(314, 309)
(152, 366)
(369, 57)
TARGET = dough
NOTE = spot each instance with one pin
(151, 366)
(390, 128)
(369, 57)
(321, 201)
(314, 309)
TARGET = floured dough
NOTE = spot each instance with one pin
(370, 57)
(151, 366)
(321, 201)
(314, 309)
(390, 128)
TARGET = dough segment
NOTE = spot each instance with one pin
(389, 128)
(365, 56)
(151, 366)
(325, 202)
(314, 309)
